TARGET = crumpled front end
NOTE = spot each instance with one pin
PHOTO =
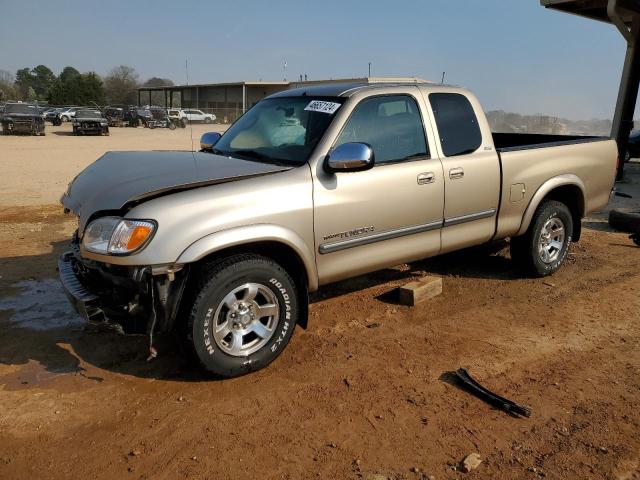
(132, 300)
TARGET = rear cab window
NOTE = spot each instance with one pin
(457, 124)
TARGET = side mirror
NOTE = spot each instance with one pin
(208, 140)
(350, 157)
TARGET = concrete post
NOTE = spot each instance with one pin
(244, 98)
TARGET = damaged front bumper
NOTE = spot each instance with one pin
(83, 301)
(132, 300)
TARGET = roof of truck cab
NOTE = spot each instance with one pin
(346, 89)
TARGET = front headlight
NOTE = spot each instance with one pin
(117, 236)
(104, 124)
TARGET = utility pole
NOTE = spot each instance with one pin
(442, 81)
(369, 70)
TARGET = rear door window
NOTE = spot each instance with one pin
(457, 124)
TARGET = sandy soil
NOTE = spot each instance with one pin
(36, 170)
(363, 392)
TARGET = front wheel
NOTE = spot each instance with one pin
(207, 120)
(543, 249)
(243, 315)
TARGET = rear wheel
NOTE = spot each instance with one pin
(544, 247)
(243, 315)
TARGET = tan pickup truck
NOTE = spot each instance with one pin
(310, 186)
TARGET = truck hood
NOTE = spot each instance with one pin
(120, 178)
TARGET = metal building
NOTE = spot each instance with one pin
(227, 101)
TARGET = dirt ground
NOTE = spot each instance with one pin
(363, 392)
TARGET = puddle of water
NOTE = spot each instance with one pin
(34, 374)
(40, 305)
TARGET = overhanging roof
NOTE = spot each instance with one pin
(595, 9)
(229, 84)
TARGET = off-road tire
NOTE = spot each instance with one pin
(525, 249)
(211, 286)
(625, 220)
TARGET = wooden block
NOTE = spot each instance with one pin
(420, 290)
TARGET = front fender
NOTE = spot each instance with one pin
(251, 234)
(543, 191)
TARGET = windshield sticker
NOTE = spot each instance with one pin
(324, 107)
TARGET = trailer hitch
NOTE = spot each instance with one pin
(488, 396)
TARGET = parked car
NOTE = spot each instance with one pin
(67, 114)
(51, 113)
(311, 186)
(160, 118)
(121, 115)
(143, 116)
(633, 147)
(22, 118)
(90, 121)
(178, 117)
(199, 116)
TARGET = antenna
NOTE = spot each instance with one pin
(186, 69)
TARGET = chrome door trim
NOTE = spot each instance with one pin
(378, 237)
(448, 222)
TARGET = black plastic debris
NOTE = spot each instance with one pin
(468, 383)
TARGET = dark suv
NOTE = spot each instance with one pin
(121, 115)
(89, 120)
(22, 118)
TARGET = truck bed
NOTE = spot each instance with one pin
(506, 142)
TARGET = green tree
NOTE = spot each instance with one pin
(120, 85)
(42, 79)
(74, 88)
(7, 86)
(24, 81)
(68, 73)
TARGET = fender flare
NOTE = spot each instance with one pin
(233, 237)
(543, 191)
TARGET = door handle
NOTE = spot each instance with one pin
(427, 177)
(456, 173)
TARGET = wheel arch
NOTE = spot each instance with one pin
(568, 189)
(272, 241)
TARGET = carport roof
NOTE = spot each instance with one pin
(595, 9)
(229, 84)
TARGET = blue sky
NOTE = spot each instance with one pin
(514, 54)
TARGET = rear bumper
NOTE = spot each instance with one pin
(84, 302)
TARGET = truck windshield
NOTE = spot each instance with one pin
(21, 108)
(88, 114)
(280, 130)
